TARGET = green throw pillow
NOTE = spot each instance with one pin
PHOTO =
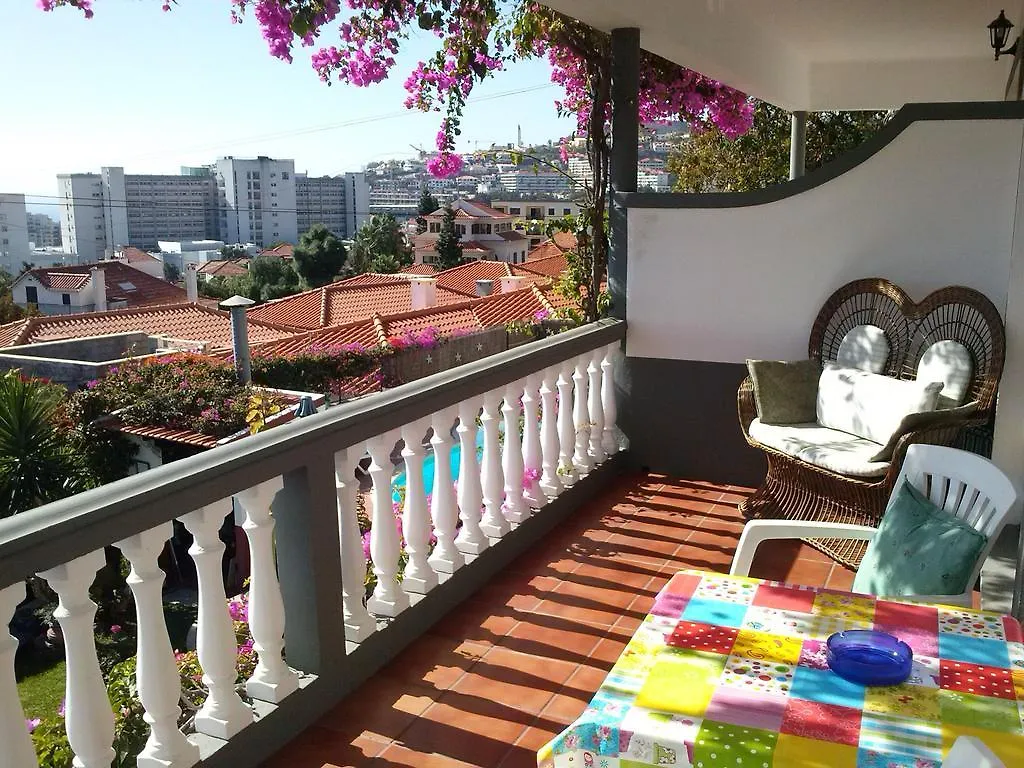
(785, 393)
(923, 420)
(919, 550)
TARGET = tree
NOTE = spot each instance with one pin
(427, 205)
(386, 264)
(319, 256)
(709, 162)
(171, 273)
(9, 311)
(269, 278)
(478, 38)
(447, 247)
(233, 252)
(380, 236)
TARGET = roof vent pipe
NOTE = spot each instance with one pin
(191, 283)
(240, 335)
(99, 289)
(484, 287)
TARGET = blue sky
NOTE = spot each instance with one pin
(153, 91)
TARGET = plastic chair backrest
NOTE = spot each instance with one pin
(971, 752)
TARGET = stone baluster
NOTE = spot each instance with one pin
(516, 510)
(388, 598)
(597, 452)
(581, 417)
(87, 715)
(14, 735)
(550, 482)
(359, 624)
(610, 439)
(566, 428)
(272, 680)
(493, 521)
(418, 577)
(532, 456)
(223, 714)
(471, 539)
(446, 557)
(156, 673)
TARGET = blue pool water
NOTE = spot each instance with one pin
(398, 481)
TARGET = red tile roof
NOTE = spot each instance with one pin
(61, 281)
(548, 266)
(192, 322)
(468, 246)
(135, 255)
(363, 332)
(512, 234)
(224, 268)
(124, 283)
(463, 277)
(427, 270)
(284, 250)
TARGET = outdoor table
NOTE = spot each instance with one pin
(731, 672)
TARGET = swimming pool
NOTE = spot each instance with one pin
(398, 481)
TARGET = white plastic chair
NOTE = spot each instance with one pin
(971, 752)
(964, 484)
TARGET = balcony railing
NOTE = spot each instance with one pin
(547, 414)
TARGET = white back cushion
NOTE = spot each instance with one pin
(867, 404)
(950, 363)
(864, 347)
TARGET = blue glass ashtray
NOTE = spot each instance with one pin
(867, 657)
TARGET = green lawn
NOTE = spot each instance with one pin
(40, 682)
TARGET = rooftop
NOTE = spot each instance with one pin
(124, 282)
(224, 268)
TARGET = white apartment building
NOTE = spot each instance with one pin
(531, 215)
(484, 233)
(401, 199)
(14, 247)
(524, 181)
(43, 231)
(258, 197)
(579, 169)
(341, 203)
(181, 253)
(82, 222)
(654, 181)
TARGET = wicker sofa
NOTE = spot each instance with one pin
(794, 488)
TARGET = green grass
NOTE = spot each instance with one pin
(40, 682)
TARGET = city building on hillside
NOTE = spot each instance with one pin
(485, 234)
(43, 231)
(95, 287)
(532, 215)
(526, 181)
(654, 181)
(259, 203)
(14, 247)
(398, 198)
(579, 168)
(341, 203)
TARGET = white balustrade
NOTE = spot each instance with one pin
(471, 539)
(418, 577)
(223, 714)
(532, 456)
(515, 507)
(597, 451)
(550, 482)
(581, 417)
(156, 673)
(566, 427)
(359, 624)
(388, 598)
(272, 680)
(610, 439)
(493, 522)
(88, 717)
(14, 736)
(444, 511)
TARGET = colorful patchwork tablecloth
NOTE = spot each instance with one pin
(730, 672)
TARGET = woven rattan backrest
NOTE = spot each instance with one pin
(955, 313)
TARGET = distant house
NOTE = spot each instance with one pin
(140, 260)
(224, 268)
(92, 288)
(485, 233)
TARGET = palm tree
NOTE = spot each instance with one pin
(39, 462)
(381, 235)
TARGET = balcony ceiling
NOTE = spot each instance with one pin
(823, 54)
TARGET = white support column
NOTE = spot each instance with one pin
(388, 598)
(471, 539)
(87, 715)
(418, 577)
(610, 441)
(515, 507)
(550, 482)
(446, 557)
(493, 521)
(359, 624)
(272, 680)
(566, 428)
(223, 714)
(532, 455)
(597, 452)
(14, 736)
(581, 417)
(156, 674)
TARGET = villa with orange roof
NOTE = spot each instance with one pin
(485, 234)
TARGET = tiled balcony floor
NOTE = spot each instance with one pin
(509, 669)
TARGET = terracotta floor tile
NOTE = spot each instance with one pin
(399, 755)
(808, 573)
(549, 635)
(467, 728)
(330, 750)
(381, 708)
(477, 621)
(435, 661)
(514, 679)
(696, 555)
(840, 578)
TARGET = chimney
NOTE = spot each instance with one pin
(424, 292)
(240, 335)
(99, 289)
(484, 287)
(511, 283)
(191, 283)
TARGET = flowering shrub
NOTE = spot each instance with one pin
(428, 338)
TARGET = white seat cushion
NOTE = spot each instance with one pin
(949, 362)
(864, 347)
(829, 449)
(870, 405)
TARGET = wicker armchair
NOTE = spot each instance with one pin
(797, 490)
